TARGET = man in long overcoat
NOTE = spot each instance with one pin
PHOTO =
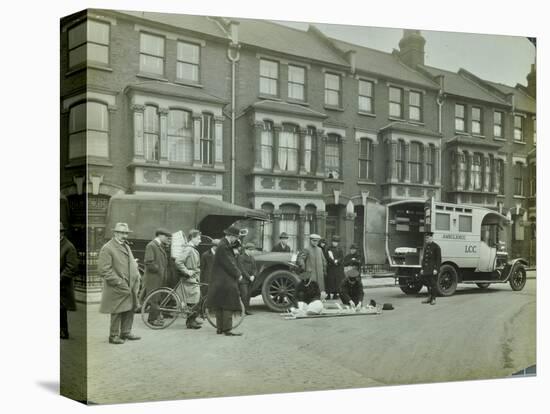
(223, 293)
(207, 262)
(282, 246)
(121, 278)
(188, 264)
(335, 267)
(68, 269)
(313, 263)
(156, 271)
(431, 262)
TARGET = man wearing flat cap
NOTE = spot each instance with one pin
(313, 264)
(119, 271)
(248, 268)
(431, 262)
(351, 289)
(282, 246)
(335, 267)
(223, 293)
(156, 271)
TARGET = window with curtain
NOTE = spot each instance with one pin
(188, 61)
(476, 172)
(400, 160)
(333, 157)
(430, 164)
(365, 159)
(151, 54)
(268, 227)
(289, 224)
(89, 41)
(491, 175)
(500, 176)
(476, 120)
(266, 152)
(296, 82)
(332, 89)
(310, 144)
(497, 124)
(207, 139)
(454, 170)
(518, 128)
(366, 96)
(288, 148)
(269, 77)
(180, 136)
(396, 102)
(518, 179)
(77, 131)
(463, 167)
(151, 133)
(415, 106)
(460, 117)
(415, 162)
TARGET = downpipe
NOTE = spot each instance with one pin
(233, 59)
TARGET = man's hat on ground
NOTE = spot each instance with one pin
(232, 231)
(250, 246)
(353, 273)
(314, 236)
(387, 306)
(122, 228)
(162, 231)
(336, 238)
(283, 235)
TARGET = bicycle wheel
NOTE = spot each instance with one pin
(169, 305)
(238, 317)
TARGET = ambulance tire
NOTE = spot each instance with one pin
(447, 280)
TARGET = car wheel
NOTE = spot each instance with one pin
(279, 290)
(447, 279)
(409, 286)
(519, 278)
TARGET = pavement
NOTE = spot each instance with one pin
(379, 280)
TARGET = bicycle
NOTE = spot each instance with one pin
(171, 305)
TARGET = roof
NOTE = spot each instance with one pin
(195, 23)
(411, 128)
(523, 101)
(458, 85)
(172, 89)
(287, 108)
(146, 212)
(279, 38)
(385, 64)
(473, 142)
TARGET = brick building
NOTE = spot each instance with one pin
(320, 133)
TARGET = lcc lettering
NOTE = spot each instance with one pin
(470, 249)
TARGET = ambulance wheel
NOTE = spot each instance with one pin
(518, 279)
(409, 286)
(447, 279)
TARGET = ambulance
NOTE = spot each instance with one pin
(473, 250)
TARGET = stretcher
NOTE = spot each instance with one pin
(332, 313)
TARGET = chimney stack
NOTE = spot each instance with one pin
(411, 48)
(532, 81)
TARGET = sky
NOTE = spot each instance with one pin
(498, 58)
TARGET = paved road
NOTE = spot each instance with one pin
(474, 334)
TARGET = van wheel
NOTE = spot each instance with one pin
(447, 280)
(518, 279)
(483, 285)
(409, 286)
(279, 290)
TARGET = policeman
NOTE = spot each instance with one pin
(431, 262)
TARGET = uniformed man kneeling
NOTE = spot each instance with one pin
(351, 289)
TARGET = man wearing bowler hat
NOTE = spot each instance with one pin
(223, 293)
(282, 246)
(119, 271)
(156, 271)
(431, 262)
(353, 259)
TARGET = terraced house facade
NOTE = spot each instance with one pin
(320, 133)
